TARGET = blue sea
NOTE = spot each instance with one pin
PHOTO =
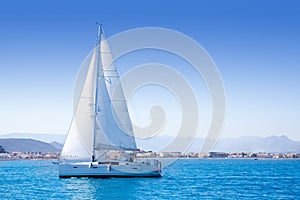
(184, 179)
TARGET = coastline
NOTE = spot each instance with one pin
(15, 156)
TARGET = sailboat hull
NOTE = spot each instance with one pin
(96, 170)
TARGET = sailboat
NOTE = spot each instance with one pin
(100, 140)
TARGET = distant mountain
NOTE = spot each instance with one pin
(258, 144)
(243, 144)
(53, 143)
(57, 145)
(60, 138)
(27, 145)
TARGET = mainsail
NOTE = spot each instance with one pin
(101, 121)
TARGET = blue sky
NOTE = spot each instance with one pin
(255, 44)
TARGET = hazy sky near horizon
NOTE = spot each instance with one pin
(255, 44)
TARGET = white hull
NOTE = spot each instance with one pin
(109, 169)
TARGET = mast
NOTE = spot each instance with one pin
(98, 59)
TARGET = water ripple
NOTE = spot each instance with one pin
(184, 179)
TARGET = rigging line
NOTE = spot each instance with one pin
(105, 152)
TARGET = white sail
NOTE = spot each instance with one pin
(101, 120)
(79, 142)
(114, 129)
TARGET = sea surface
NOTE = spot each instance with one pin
(184, 179)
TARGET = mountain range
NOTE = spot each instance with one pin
(258, 144)
(272, 144)
(60, 138)
(28, 145)
(25, 142)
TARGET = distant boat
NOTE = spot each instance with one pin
(100, 141)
